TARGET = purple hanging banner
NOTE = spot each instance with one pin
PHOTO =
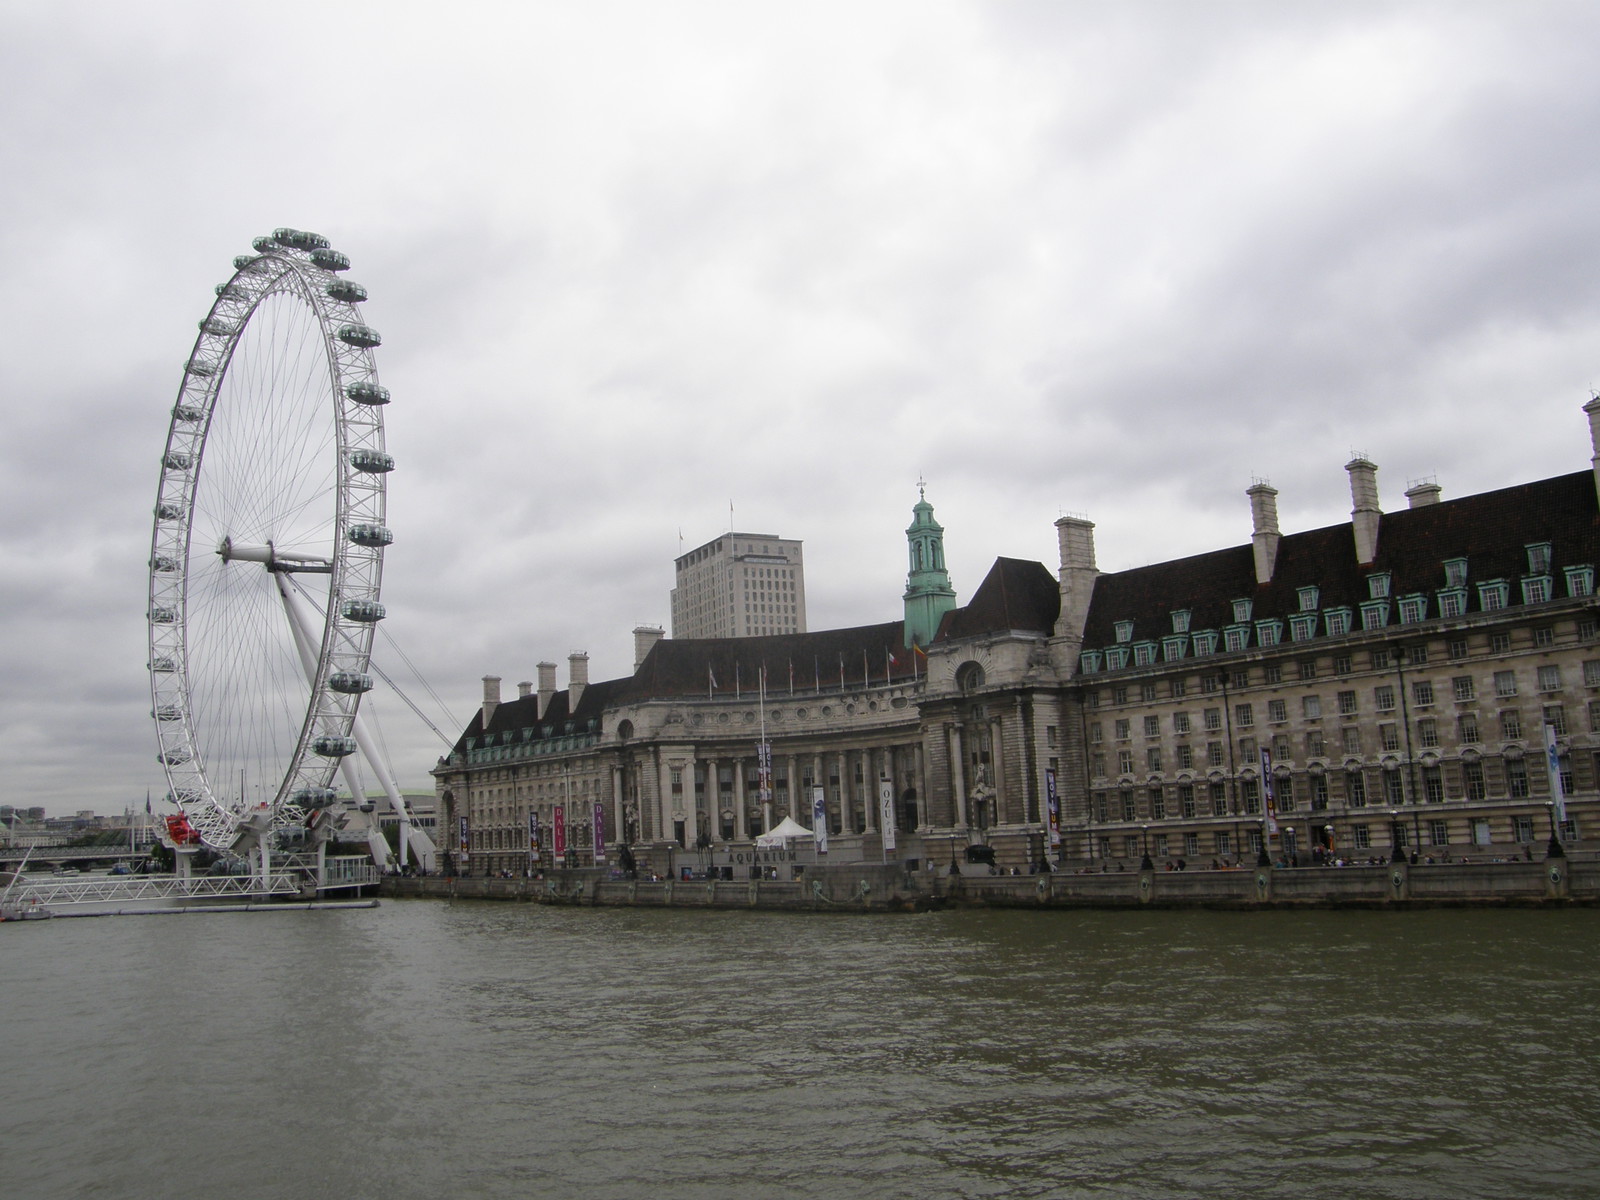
(599, 833)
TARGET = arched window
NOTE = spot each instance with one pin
(969, 677)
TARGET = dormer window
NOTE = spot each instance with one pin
(1303, 626)
(1536, 589)
(1116, 658)
(1237, 637)
(1309, 596)
(1124, 631)
(1413, 609)
(1241, 611)
(1089, 662)
(1180, 621)
(1205, 643)
(1174, 647)
(1375, 613)
(1269, 633)
(1453, 602)
(1493, 594)
(1144, 654)
(1580, 580)
(1378, 586)
(1338, 620)
(1455, 572)
(1538, 558)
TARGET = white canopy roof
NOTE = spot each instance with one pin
(784, 831)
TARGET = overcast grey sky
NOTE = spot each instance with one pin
(632, 261)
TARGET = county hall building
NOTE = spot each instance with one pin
(1426, 679)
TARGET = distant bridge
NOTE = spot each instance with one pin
(66, 854)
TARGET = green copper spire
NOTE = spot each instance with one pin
(928, 592)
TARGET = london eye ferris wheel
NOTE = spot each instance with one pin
(266, 556)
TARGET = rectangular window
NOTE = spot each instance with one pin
(1280, 747)
(1381, 659)
(1311, 707)
(1147, 692)
(1472, 773)
(1342, 664)
(1455, 571)
(1224, 844)
(1308, 668)
(1158, 845)
(1493, 595)
(1152, 758)
(1240, 677)
(1511, 724)
(1241, 611)
(1439, 833)
(1500, 641)
(1205, 643)
(1413, 609)
(1236, 637)
(1244, 715)
(1269, 633)
(1123, 631)
(1097, 733)
(1273, 673)
(1185, 756)
(1556, 715)
(1250, 794)
(1315, 746)
(1191, 844)
(1174, 648)
(1422, 692)
(1180, 722)
(1374, 614)
(1309, 597)
(1591, 672)
(1219, 800)
(1152, 726)
(1186, 799)
(1277, 710)
(1097, 765)
(1144, 654)
(1550, 678)
(1383, 697)
(1361, 837)
(1319, 793)
(1433, 785)
(1505, 683)
(1355, 789)
(1461, 688)
(1538, 557)
(1545, 635)
(1303, 627)
(1394, 789)
(1180, 688)
(1468, 727)
(1125, 762)
(1537, 589)
(1180, 621)
(1337, 621)
(1427, 732)
(1124, 729)
(1594, 716)
(1130, 845)
(1347, 704)
(1517, 778)
(1389, 736)
(1350, 735)
(1158, 805)
(1214, 754)
(1580, 581)
(1522, 829)
(1378, 585)
(1213, 718)
(1209, 684)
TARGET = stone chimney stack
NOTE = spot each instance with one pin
(1264, 520)
(491, 697)
(524, 689)
(1593, 409)
(644, 638)
(577, 679)
(1075, 535)
(547, 687)
(1423, 492)
(1365, 511)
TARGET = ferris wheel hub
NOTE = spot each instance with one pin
(275, 560)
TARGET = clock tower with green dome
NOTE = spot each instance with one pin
(928, 592)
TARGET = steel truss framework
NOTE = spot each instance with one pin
(330, 486)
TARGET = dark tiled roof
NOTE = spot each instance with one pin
(1015, 596)
(1490, 530)
(687, 666)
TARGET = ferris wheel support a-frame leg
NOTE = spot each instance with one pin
(412, 841)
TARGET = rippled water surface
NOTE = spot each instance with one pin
(494, 1049)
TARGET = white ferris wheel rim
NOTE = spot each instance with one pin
(273, 476)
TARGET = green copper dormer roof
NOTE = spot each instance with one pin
(928, 592)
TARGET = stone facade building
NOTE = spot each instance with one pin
(1387, 683)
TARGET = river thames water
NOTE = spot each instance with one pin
(481, 1049)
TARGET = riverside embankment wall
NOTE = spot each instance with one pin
(871, 887)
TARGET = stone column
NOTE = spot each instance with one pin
(958, 774)
(997, 770)
(869, 783)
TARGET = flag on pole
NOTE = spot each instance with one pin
(711, 678)
(147, 802)
(1552, 760)
(791, 677)
(841, 670)
(736, 683)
